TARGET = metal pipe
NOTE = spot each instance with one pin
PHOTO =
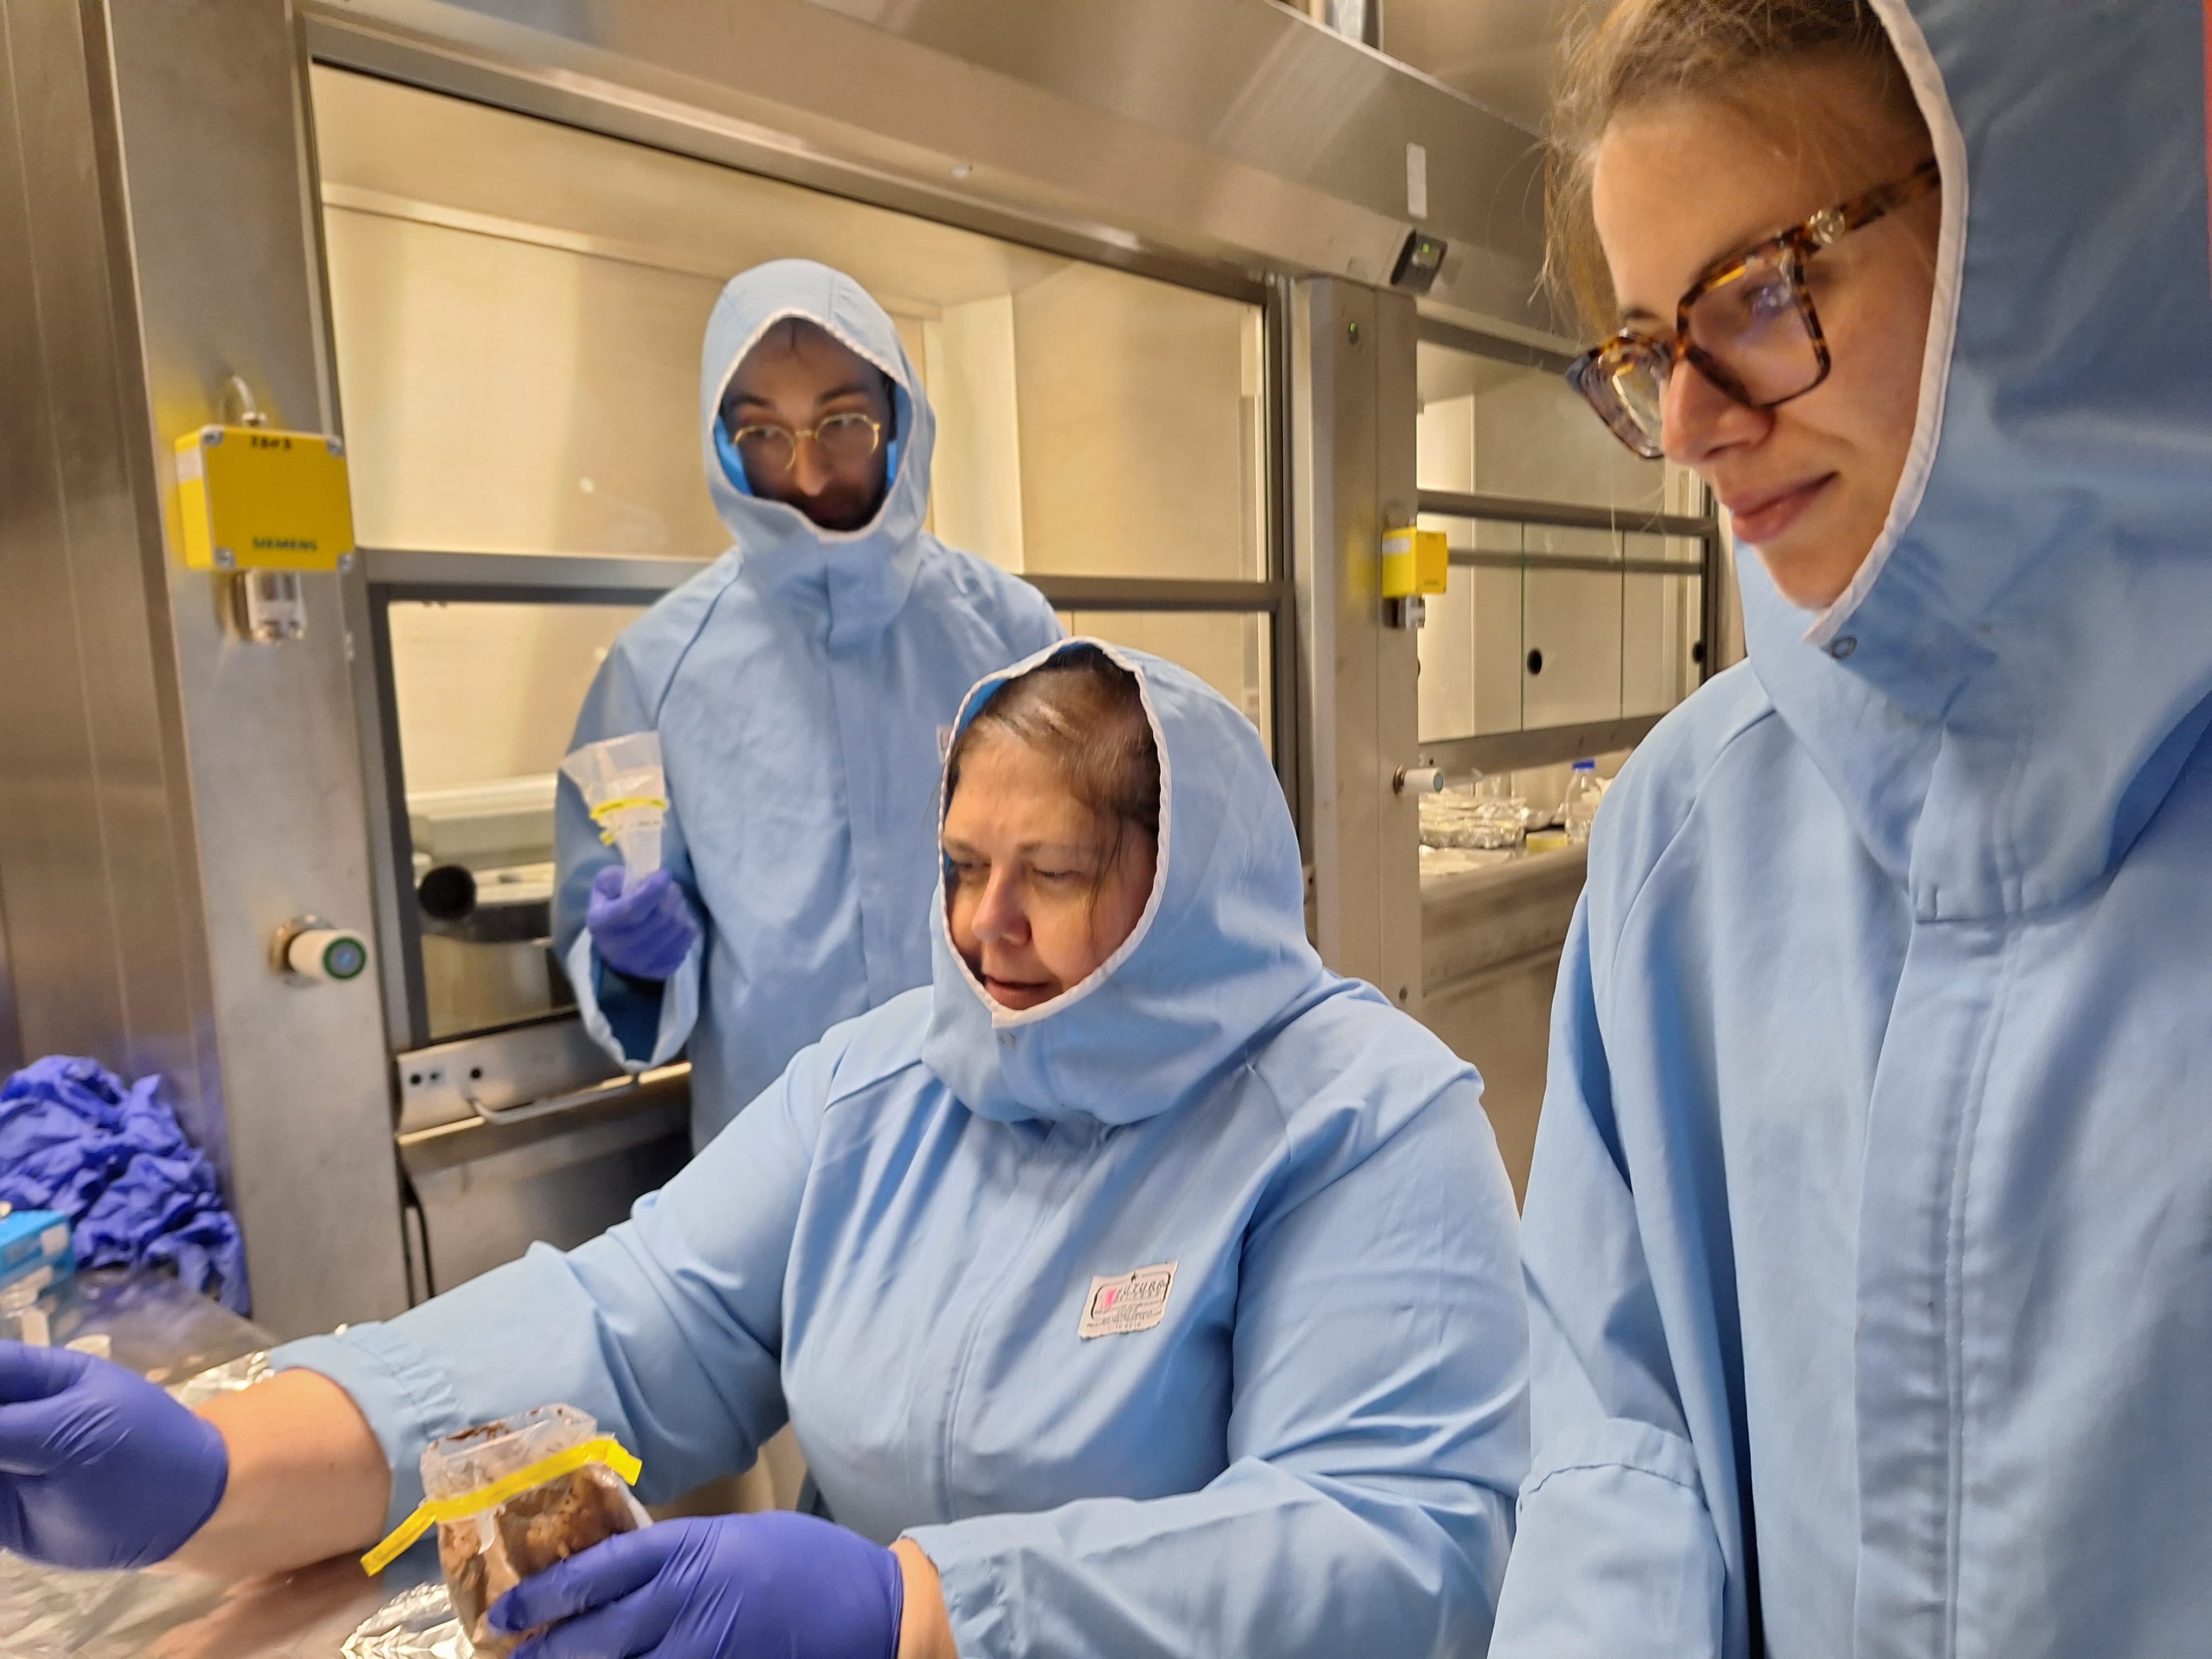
(1515, 509)
(1550, 745)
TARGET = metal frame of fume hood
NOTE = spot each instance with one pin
(1244, 211)
(542, 93)
(1052, 134)
(389, 573)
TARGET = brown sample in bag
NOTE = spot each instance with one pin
(571, 1497)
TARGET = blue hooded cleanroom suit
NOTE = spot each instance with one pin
(1312, 1452)
(799, 683)
(1870, 1235)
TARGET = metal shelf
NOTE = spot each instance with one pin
(1513, 509)
(1550, 745)
(1157, 594)
(1460, 555)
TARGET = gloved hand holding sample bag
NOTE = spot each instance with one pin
(98, 1466)
(724, 1588)
(638, 917)
(511, 1498)
(645, 931)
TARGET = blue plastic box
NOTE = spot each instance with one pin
(34, 1240)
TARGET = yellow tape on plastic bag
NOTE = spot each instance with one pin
(432, 1510)
(607, 809)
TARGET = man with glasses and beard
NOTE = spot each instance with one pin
(797, 685)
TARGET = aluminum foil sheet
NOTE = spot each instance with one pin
(416, 1623)
(48, 1613)
(242, 1372)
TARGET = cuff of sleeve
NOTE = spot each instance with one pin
(678, 1012)
(1615, 1555)
(407, 1400)
(970, 1559)
(1618, 1443)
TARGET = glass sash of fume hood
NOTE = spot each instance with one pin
(483, 696)
(517, 306)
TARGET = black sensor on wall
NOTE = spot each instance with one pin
(1418, 261)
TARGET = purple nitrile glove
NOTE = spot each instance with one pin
(729, 1586)
(646, 933)
(98, 1466)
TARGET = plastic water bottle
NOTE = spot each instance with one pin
(1583, 793)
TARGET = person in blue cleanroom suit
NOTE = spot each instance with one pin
(799, 684)
(1869, 1239)
(1153, 1287)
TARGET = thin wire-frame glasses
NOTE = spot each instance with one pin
(845, 440)
(1747, 325)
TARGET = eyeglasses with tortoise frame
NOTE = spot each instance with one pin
(1747, 325)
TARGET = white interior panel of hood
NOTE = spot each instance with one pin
(1573, 618)
(517, 306)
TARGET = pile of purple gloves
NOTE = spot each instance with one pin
(74, 1138)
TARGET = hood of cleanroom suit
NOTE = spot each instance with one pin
(861, 576)
(800, 684)
(1219, 954)
(1304, 1443)
(1869, 1237)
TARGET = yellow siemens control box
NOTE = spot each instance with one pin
(1414, 561)
(254, 498)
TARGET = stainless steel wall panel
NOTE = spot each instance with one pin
(1140, 132)
(97, 862)
(1397, 853)
(175, 797)
(1244, 82)
(1332, 466)
(1353, 459)
(213, 120)
(1502, 54)
(11, 1046)
(562, 1183)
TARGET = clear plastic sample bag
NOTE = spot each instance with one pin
(626, 790)
(509, 1499)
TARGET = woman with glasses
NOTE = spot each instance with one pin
(799, 684)
(1868, 1240)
